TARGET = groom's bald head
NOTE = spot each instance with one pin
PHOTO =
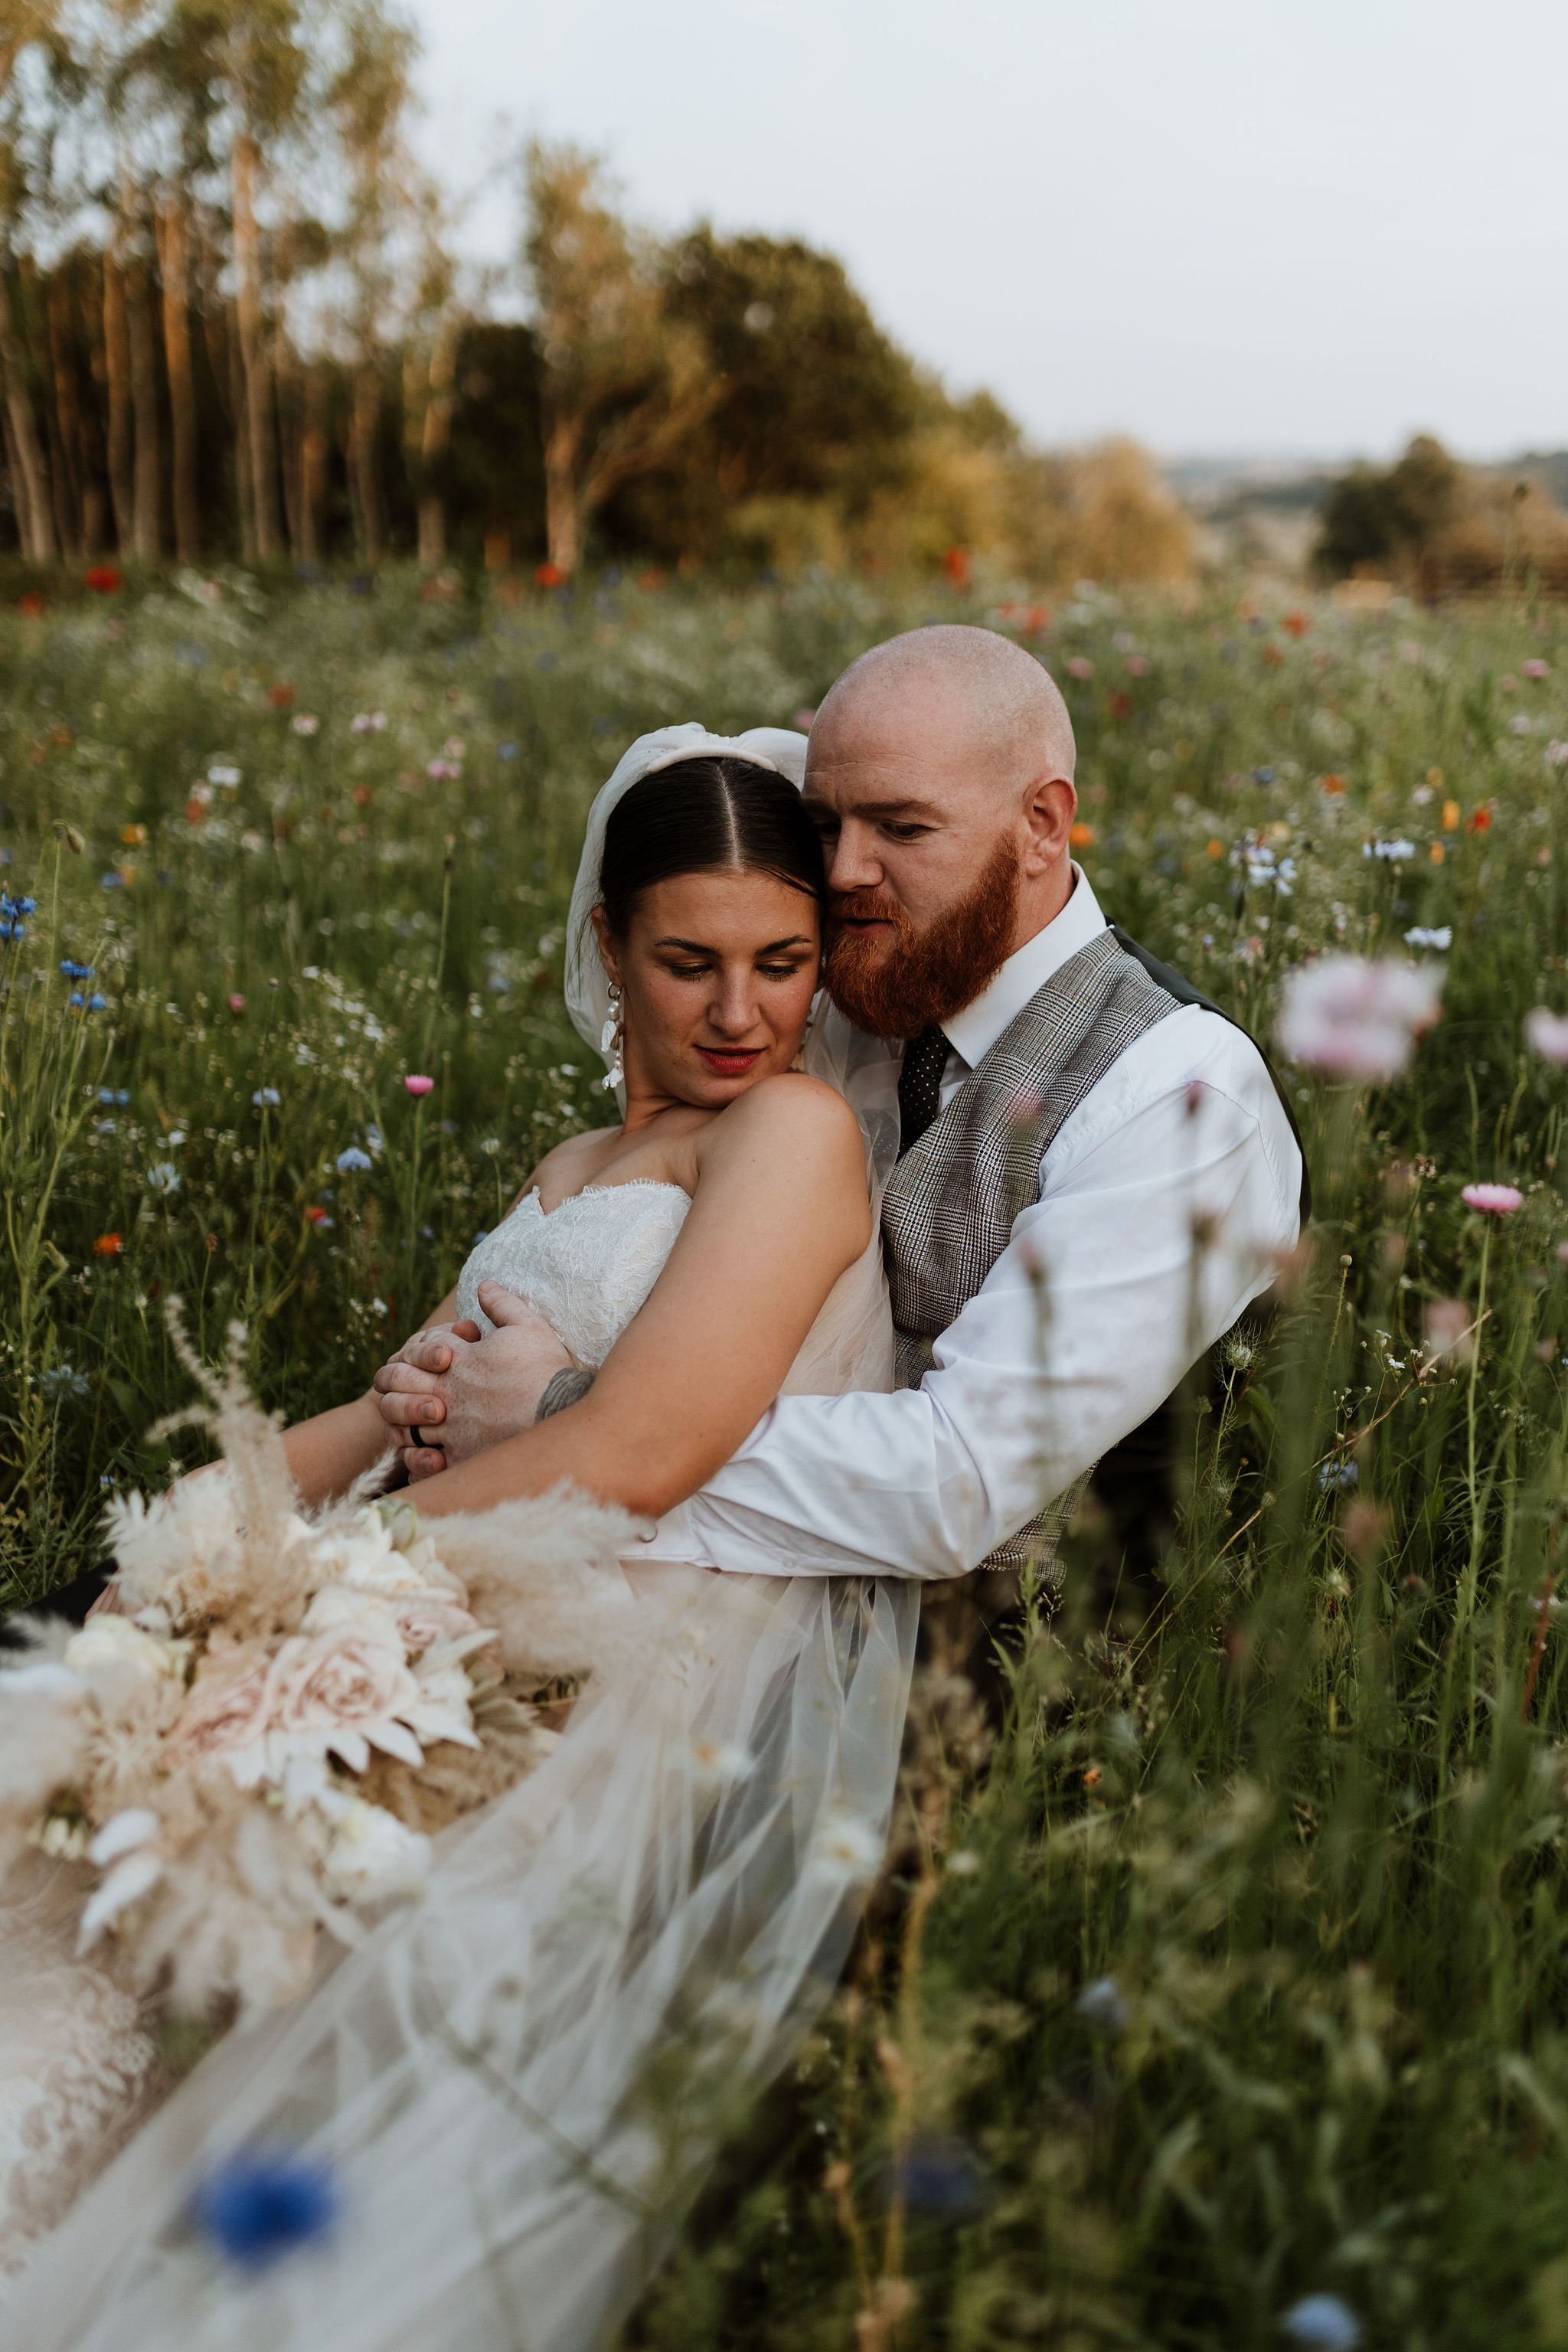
(939, 773)
(968, 691)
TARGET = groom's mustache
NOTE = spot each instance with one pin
(868, 907)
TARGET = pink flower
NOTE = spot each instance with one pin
(227, 1705)
(1080, 666)
(418, 1085)
(352, 1675)
(1547, 1033)
(1357, 1019)
(1450, 1328)
(236, 1001)
(1492, 1200)
(1536, 669)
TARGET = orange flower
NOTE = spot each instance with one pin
(1272, 657)
(134, 835)
(955, 563)
(1480, 820)
(32, 603)
(362, 796)
(1081, 834)
(279, 698)
(1450, 817)
(1334, 784)
(103, 580)
(551, 576)
(1439, 853)
(1214, 848)
(1295, 625)
(107, 1245)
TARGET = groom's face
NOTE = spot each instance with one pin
(924, 855)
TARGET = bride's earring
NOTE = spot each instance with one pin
(613, 1040)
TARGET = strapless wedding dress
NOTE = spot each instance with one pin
(515, 2085)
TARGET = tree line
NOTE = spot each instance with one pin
(234, 322)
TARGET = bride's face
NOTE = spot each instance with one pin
(717, 974)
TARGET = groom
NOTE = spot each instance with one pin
(1096, 1174)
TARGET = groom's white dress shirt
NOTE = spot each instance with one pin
(1101, 1300)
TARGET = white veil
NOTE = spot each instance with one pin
(517, 2086)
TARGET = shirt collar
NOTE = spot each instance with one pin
(972, 1031)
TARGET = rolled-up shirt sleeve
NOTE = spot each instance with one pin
(1166, 1204)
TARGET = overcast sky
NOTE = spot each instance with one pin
(1225, 226)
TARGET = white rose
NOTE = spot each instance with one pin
(371, 1856)
(116, 1652)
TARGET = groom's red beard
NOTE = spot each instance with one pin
(923, 977)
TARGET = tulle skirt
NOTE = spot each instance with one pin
(513, 2088)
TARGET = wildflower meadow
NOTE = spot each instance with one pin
(1215, 1993)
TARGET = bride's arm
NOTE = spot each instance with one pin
(779, 1211)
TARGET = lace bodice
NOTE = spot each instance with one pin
(586, 1266)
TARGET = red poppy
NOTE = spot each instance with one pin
(549, 576)
(362, 796)
(107, 1245)
(956, 564)
(318, 1216)
(1121, 705)
(279, 697)
(103, 580)
(1272, 657)
(32, 603)
(1479, 821)
(1295, 625)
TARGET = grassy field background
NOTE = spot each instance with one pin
(1229, 1971)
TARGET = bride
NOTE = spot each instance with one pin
(512, 2087)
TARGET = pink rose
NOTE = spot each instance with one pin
(227, 1706)
(352, 1673)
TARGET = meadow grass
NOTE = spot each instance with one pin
(1225, 1968)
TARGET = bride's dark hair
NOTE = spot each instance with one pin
(707, 815)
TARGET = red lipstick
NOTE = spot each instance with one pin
(730, 1063)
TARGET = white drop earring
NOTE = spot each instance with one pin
(613, 1039)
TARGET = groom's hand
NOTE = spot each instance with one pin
(474, 1392)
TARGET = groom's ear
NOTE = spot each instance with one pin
(1050, 804)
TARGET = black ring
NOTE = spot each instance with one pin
(420, 1439)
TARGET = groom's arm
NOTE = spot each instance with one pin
(1165, 1211)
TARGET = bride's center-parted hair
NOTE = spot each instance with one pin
(711, 897)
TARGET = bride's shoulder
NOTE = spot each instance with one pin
(793, 1111)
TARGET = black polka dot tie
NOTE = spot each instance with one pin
(919, 1085)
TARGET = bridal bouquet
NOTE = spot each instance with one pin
(253, 1751)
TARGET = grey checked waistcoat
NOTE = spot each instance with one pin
(950, 1206)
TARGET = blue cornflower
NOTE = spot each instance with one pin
(112, 880)
(939, 2175)
(95, 1003)
(114, 1095)
(256, 2209)
(267, 1099)
(1335, 1476)
(164, 1177)
(1103, 2003)
(353, 1162)
(64, 1380)
(15, 907)
(505, 750)
(75, 970)
(75, 997)
(10, 929)
(1322, 2323)
(1263, 775)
